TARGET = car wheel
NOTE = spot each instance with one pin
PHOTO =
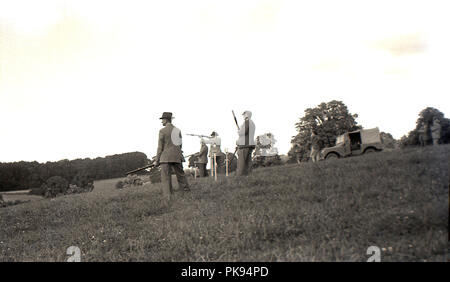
(332, 156)
(370, 150)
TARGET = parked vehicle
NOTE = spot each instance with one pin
(354, 143)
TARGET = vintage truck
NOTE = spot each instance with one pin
(354, 143)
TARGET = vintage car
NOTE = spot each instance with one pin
(354, 143)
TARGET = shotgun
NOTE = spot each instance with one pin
(201, 136)
(141, 168)
(235, 120)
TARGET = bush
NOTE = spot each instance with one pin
(119, 185)
(74, 189)
(83, 180)
(12, 203)
(38, 191)
(54, 186)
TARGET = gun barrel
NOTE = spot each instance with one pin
(139, 169)
(235, 120)
(203, 136)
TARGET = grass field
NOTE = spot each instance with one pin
(326, 211)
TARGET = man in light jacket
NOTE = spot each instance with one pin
(436, 131)
(246, 144)
(215, 150)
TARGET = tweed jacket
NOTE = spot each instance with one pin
(169, 145)
(203, 155)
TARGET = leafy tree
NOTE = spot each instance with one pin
(388, 141)
(82, 179)
(56, 185)
(426, 116)
(328, 120)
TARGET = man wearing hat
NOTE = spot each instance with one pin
(246, 144)
(215, 142)
(170, 157)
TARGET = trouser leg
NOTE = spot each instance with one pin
(202, 170)
(181, 176)
(221, 164)
(249, 160)
(166, 181)
(241, 162)
(212, 167)
(313, 155)
(435, 141)
(244, 161)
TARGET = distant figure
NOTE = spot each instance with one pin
(246, 144)
(169, 157)
(202, 158)
(90, 186)
(215, 142)
(315, 146)
(436, 131)
(422, 131)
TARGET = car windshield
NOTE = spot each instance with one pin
(340, 139)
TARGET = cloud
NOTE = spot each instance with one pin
(403, 44)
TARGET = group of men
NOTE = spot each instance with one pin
(170, 157)
(435, 131)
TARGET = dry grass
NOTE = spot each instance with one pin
(329, 211)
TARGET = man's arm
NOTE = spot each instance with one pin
(160, 147)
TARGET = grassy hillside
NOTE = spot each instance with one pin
(329, 211)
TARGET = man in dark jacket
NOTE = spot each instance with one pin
(202, 158)
(170, 157)
(315, 147)
(423, 133)
(246, 144)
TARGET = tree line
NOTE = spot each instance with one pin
(29, 175)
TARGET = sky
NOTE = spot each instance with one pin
(83, 79)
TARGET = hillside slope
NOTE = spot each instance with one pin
(327, 211)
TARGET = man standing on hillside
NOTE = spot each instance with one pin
(202, 158)
(422, 132)
(169, 157)
(246, 144)
(436, 131)
(215, 142)
(315, 147)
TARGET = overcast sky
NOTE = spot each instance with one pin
(90, 78)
